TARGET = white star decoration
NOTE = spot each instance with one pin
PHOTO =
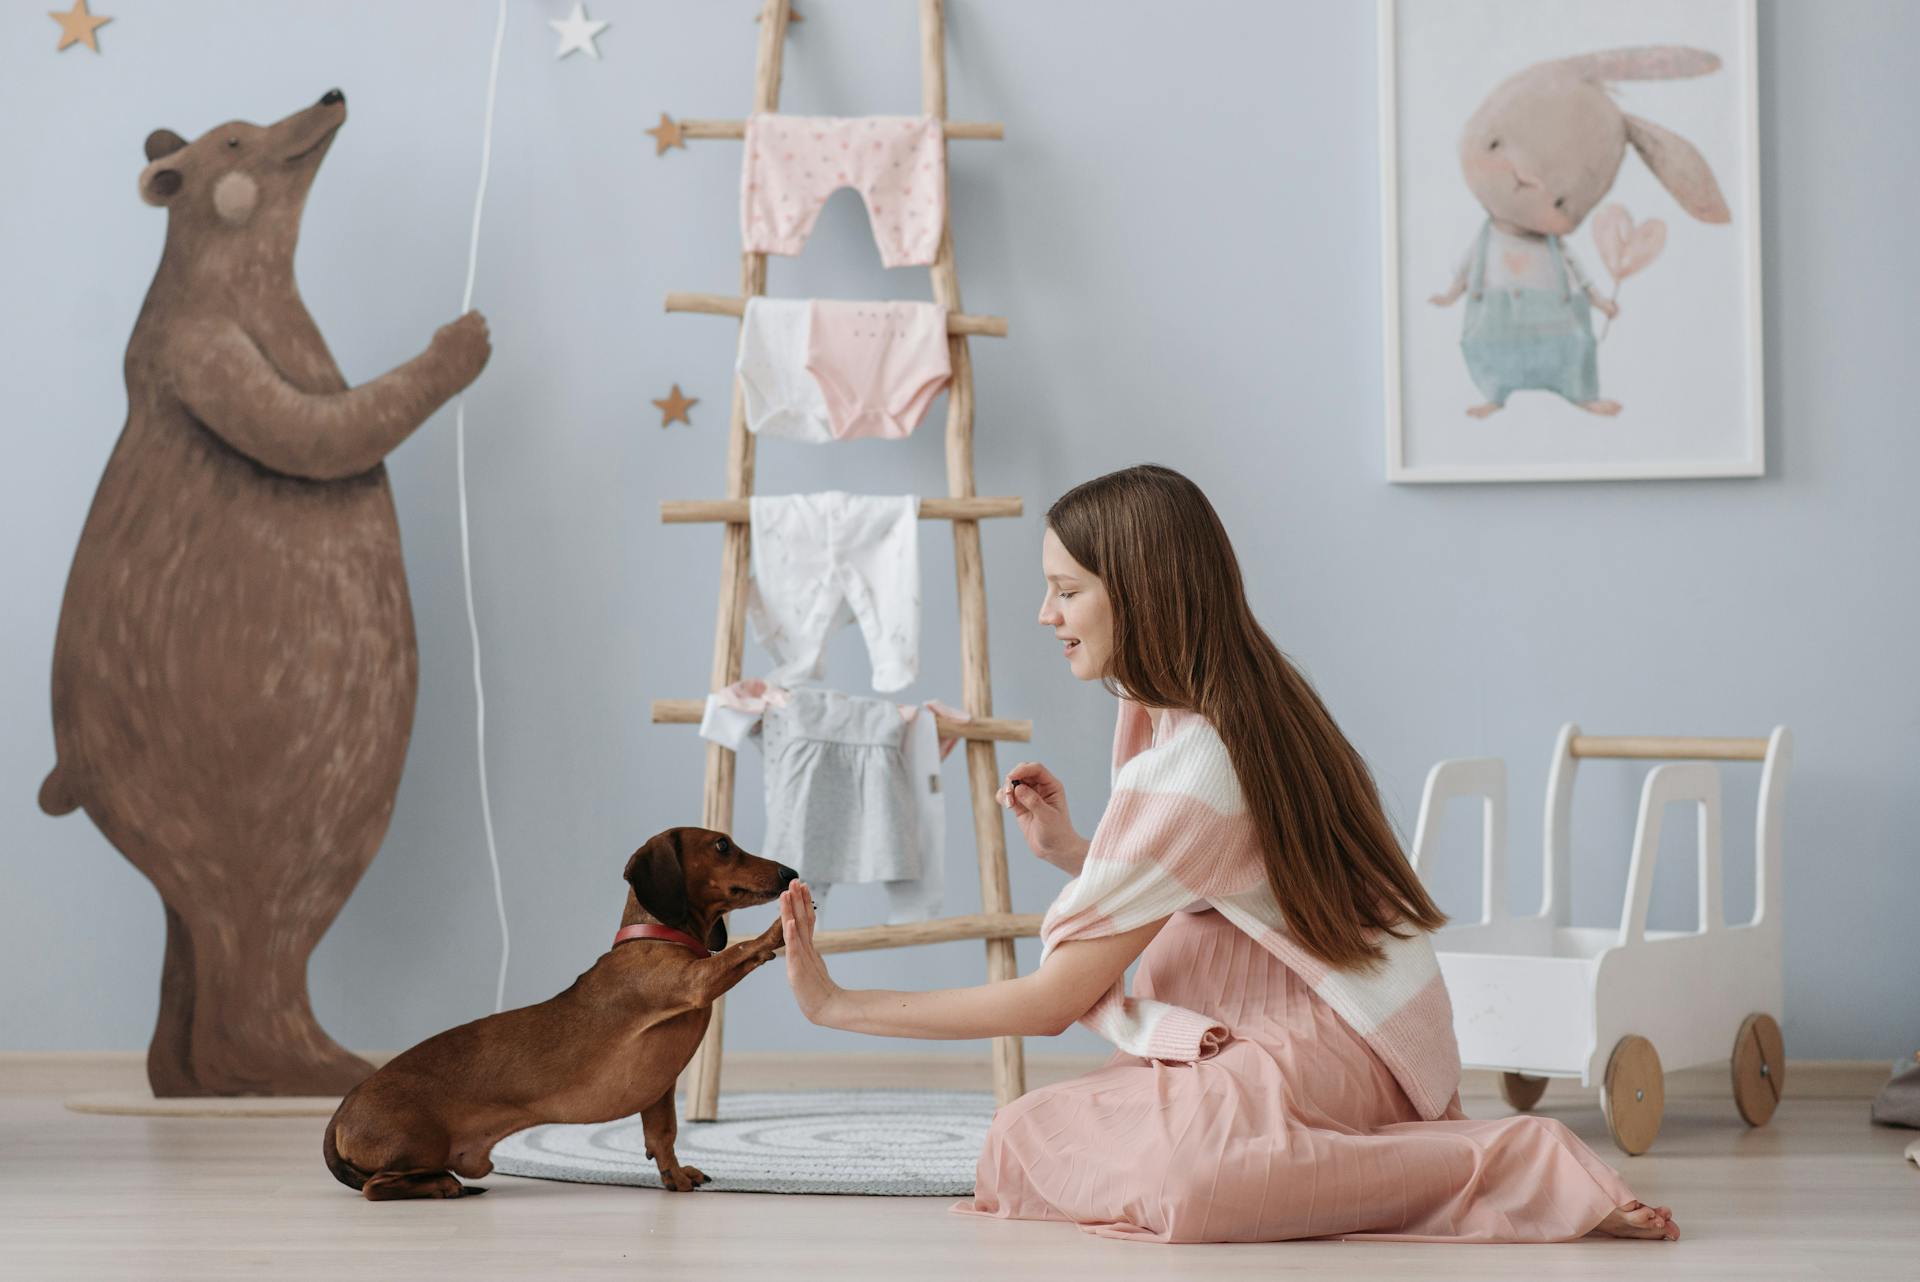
(577, 32)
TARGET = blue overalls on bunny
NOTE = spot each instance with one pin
(1516, 339)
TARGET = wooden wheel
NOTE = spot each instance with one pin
(1633, 1094)
(1759, 1069)
(1520, 1091)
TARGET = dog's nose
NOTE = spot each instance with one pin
(332, 96)
(787, 876)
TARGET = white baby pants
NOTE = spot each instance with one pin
(823, 560)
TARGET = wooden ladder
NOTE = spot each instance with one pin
(996, 923)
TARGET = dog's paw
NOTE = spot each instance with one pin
(682, 1179)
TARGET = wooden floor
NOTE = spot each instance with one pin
(1820, 1193)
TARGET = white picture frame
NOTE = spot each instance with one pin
(1705, 419)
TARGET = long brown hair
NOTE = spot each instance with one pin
(1184, 637)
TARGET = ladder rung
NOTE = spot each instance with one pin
(728, 305)
(1658, 748)
(976, 130)
(940, 931)
(739, 511)
(687, 712)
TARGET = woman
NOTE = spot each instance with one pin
(1287, 1067)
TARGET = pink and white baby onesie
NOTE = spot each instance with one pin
(823, 371)
(896, 163)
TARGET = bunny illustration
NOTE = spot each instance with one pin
(1538, 155)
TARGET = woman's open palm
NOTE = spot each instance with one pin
(806, 968)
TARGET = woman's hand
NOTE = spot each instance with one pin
(1039, 801)
(813, 988)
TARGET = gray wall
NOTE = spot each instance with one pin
(1182, 228)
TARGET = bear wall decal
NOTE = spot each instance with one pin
(234, 673)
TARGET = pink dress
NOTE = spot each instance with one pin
(1295, 1129)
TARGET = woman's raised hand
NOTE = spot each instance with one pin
(1039, 801)
(813, 988)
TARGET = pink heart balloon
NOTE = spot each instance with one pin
(1623, 247)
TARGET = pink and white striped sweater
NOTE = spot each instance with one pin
(1177, 829)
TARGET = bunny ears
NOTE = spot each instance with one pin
(1676, 162)
(1680, 168)
(1643, 62)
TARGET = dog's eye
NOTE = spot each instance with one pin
(723, 845)
(233, 142)
(1494, 145)
(1560, 203)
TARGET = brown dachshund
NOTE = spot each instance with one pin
(610, 1046)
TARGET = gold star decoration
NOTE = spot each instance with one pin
(77, 26)
(673, 409)
(666, 134)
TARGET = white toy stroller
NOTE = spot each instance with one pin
(1537, 997)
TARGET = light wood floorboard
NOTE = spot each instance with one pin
(1820, 1193)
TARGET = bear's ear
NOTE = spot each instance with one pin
(163, 142)
(160, 182)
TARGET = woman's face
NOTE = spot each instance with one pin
(1076, 607)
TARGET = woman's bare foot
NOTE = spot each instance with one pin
(1606, 409)
(1481, 411)
(1637, 1219)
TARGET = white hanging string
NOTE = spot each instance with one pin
(466, 547)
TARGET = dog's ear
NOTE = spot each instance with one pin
(717, 937)
(658, 881)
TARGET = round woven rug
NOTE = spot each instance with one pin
(889, 1143)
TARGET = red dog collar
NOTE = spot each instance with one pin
(653, 930)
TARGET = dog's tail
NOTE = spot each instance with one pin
(343, 1170)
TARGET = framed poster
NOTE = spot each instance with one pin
(1570, 240)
